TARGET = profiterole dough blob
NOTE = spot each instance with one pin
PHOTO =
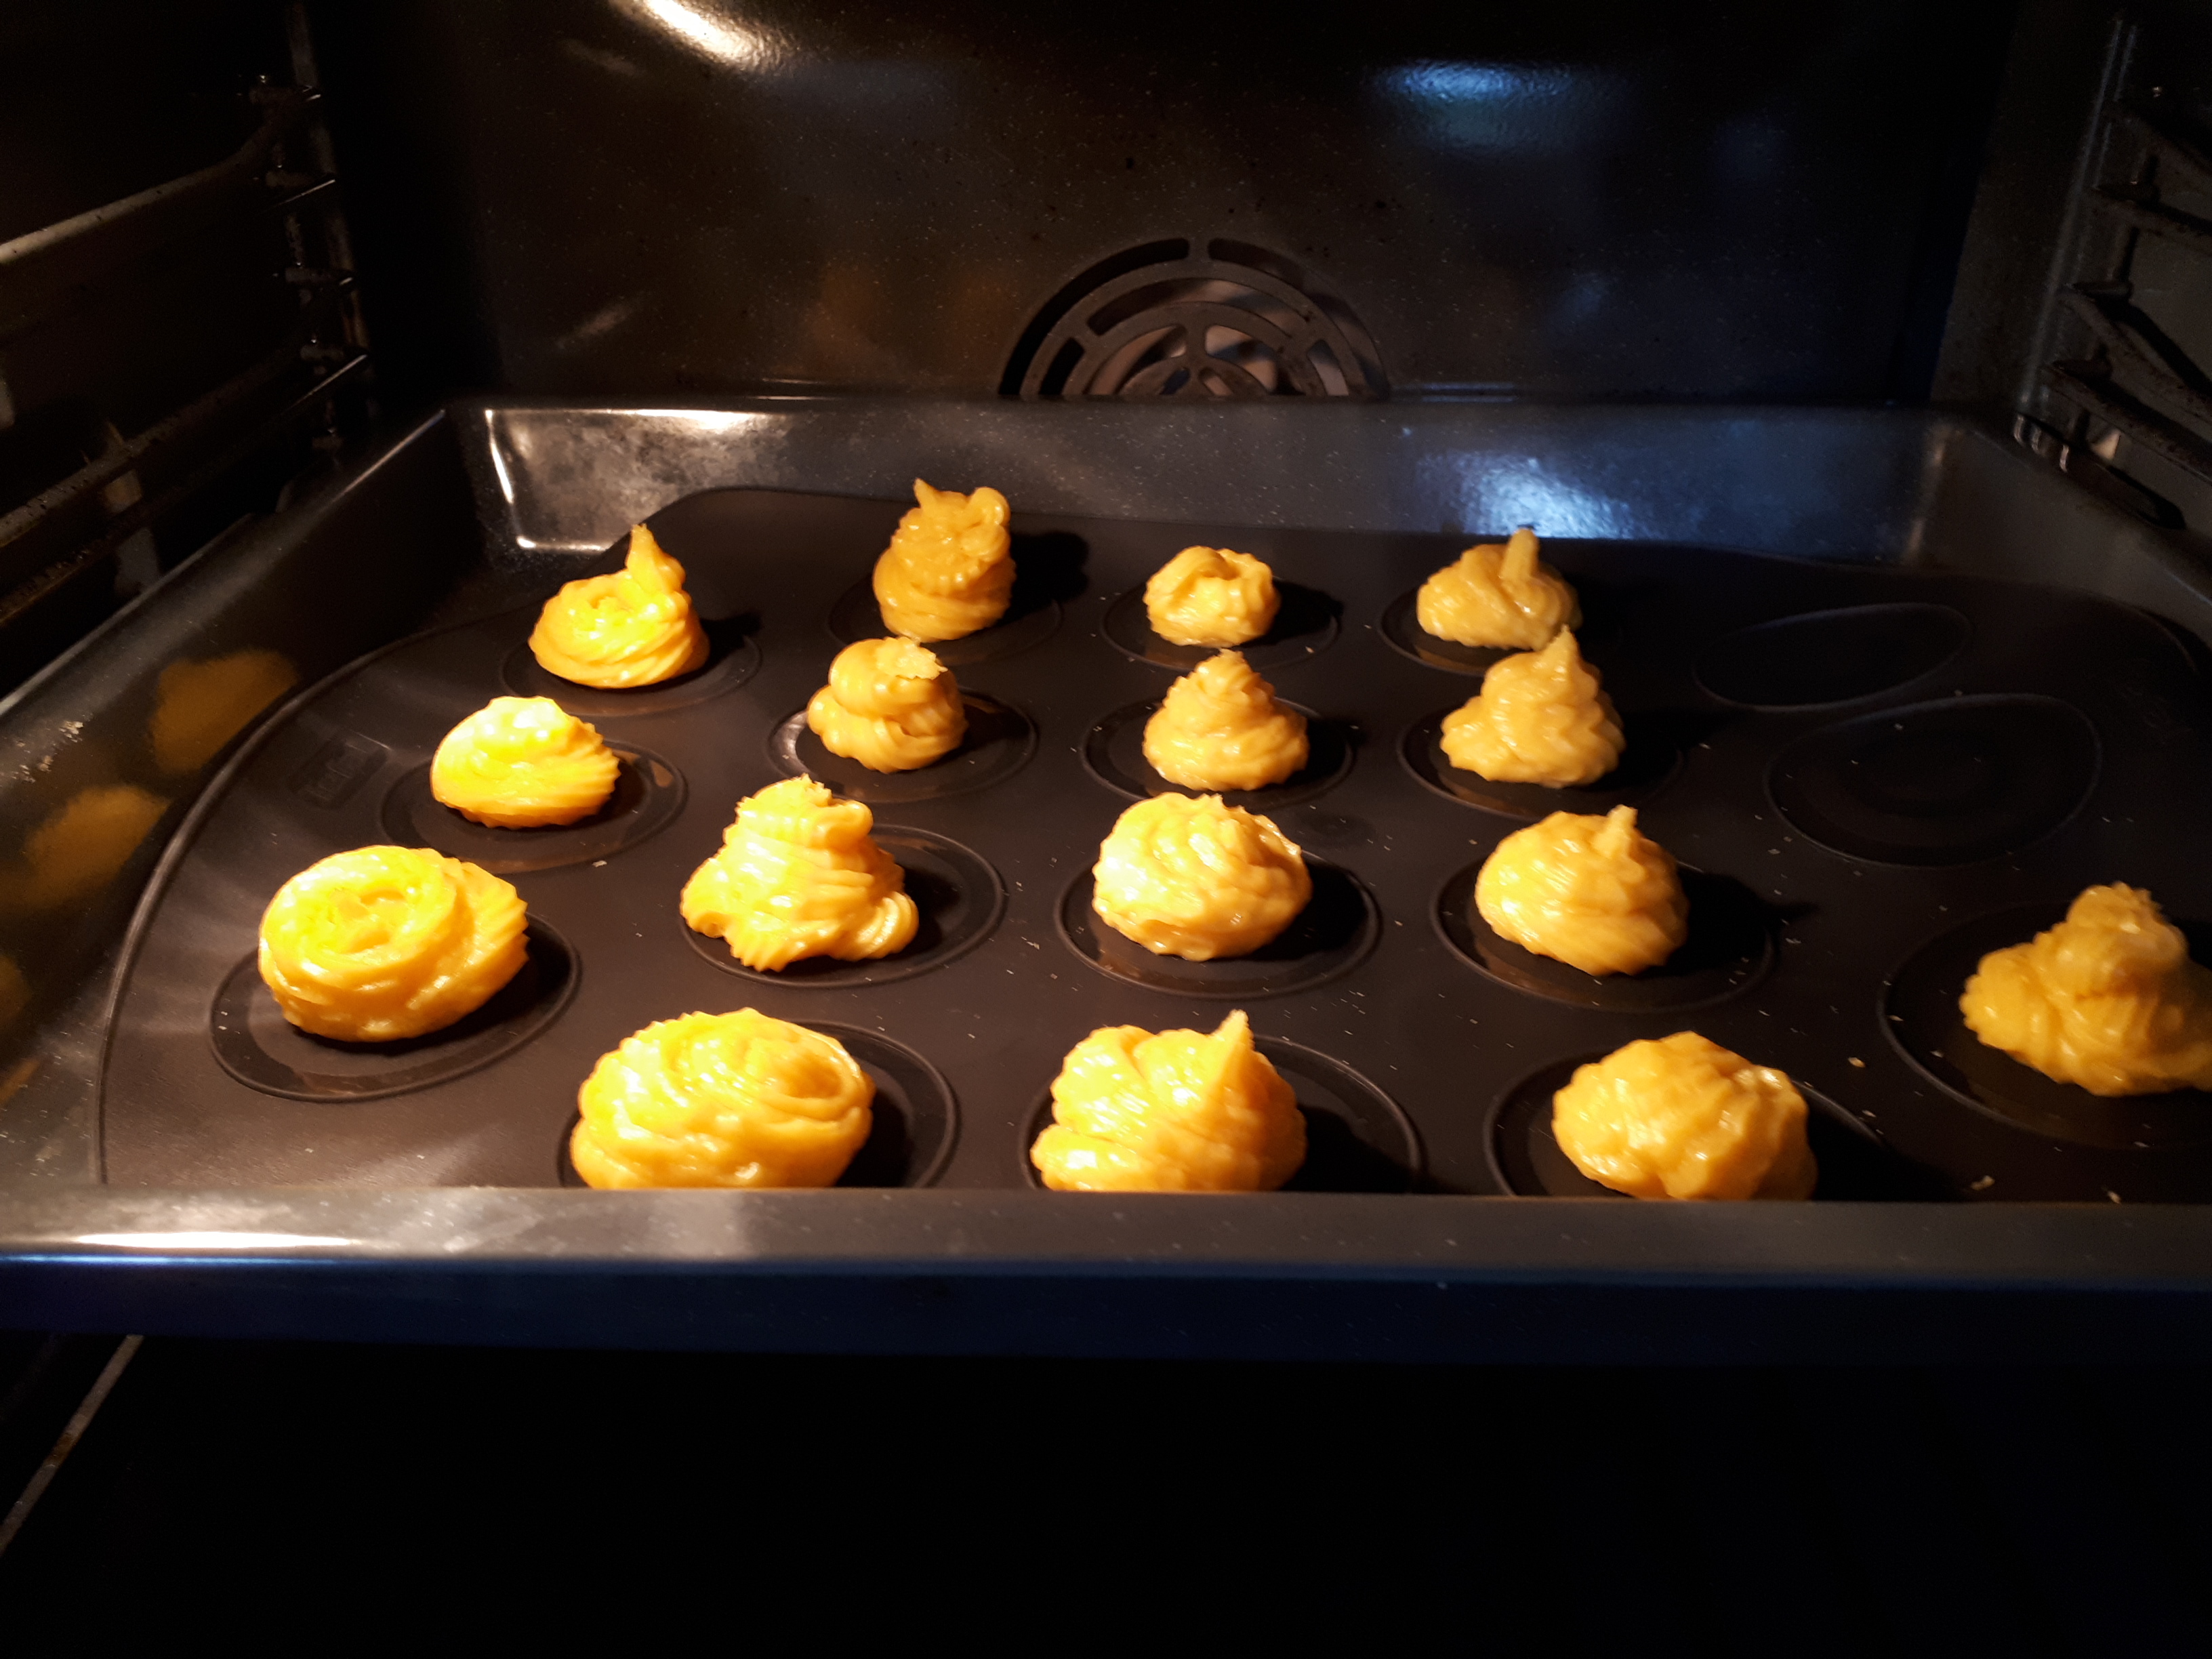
(1172, 1112)
(1682, 1117)
(799, 875)
(1212, 596)
(1198, 880)
(889, 705)
(635, 627)
(523, 763)
(2108, 999)
(1499, 594)
(722, 1100)
(1595, 893)
(948, 570)
(1220, 727)
(1541, 717)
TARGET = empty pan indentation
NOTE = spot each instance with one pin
(1000, 741)
(959, 897)
(255, 1044)
(1830, 656)
(1729, 948)
(1305, 625)
(734, 660)
(647, 795)
(1920, 1007)
(1401, 630)
(1338, 927)
(1939, 783)
(1647, 763)
(1114, 752)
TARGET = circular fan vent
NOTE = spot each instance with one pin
(1166, 320)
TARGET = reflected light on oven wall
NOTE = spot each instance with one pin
(1504, 107)
(1495, 493)
(706, 31)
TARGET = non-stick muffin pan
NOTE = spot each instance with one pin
(1870, 775)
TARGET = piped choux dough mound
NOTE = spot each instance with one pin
(635, 627)
(1197, 879)
(1500, 594)
(1595, 893)
(2108, 999)
(524, 764)
(948, 570)
(1175, 1112)
(722, 1100)
(799, 876)
(1541, 717)
(389, 942)
(1683, 1117)
(889, 705)
(1212, 596)
(1220, 727)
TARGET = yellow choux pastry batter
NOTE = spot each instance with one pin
(1595, 893)
(722, 1100)
(523, 763)
(1211, 595)
(2108, 999)
(889, 705)
(798, 875)
(1683, 1117)
(635, 627)
(948, 570)
(1178, 1112)
(1541, 717)
(198, 707)
(1499, 594)
(389, 942)
(1220, 727)
(1197, 879)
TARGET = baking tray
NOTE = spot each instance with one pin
(1858, 768)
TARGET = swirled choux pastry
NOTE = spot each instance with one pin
(722, 1100)
(799, 875)
(1595, 893)
(1220, 727)
(949, 569)
(389, 942)
(889, 705)
(1175, 1112)
(1499, 594)
(1683, 1117)
(1211, 595)
(2108, 999)
(1541, 717)
(522, 763)
(635, 627)
(1196, 879)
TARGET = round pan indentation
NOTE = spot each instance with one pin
(1029, 621)
(1920, 1009)
(1356, 1139)
(1401, 630)
(1940, 783)
(257, 1045)
(1729, 951)
(647, 795)
(1647, 765)
(1331, 935)
(958, 894)
(734, 660)
(1305, 624)
(1114, 749)
(1000, 741)
(915, 1117)
(1855, 1162)
(1825, 657)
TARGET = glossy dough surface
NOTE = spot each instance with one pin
(889, 705)
(523, 763)
(722, 1100)
(799, 875)
(1220, 727)
(948, 570)
(389, 942)
(1499, 594)
(1175, 1112)
(1212, 596)
(1541, 717)
(634, 627)
(1595, 893)
(2108, 999)
(1198, 880)
(1683, 1117)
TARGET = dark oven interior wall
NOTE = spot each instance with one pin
(692, 198)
